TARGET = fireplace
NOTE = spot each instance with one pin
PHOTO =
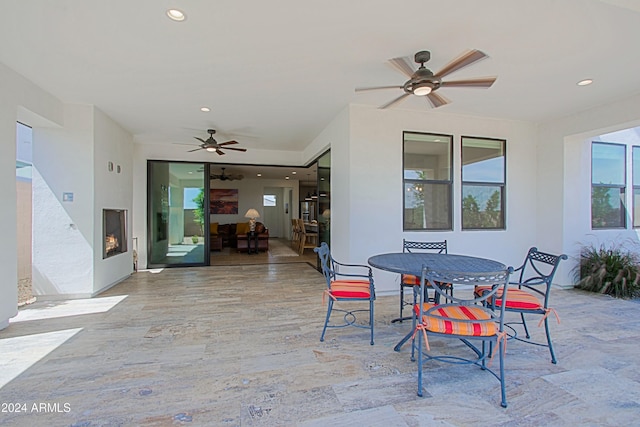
(115, 232)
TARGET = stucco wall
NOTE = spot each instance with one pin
(563, 209)
(376, 187)
(20, 100)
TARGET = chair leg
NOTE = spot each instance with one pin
(371, 319)
(502, 382)
(326, 321)
(419, 366)
(413, 322)
(524, 324)
(553, 355)
(401, 301)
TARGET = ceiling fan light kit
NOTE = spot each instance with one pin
(423, 82)
(422, 89)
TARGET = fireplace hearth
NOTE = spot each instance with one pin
(115, 232)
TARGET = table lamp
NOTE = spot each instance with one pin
(252, 214)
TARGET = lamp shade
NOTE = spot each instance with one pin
(252, 213)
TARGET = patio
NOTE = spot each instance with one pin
(239, 346)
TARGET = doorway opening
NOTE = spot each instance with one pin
(24, 226)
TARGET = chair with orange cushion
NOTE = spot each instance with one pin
(411, 281)
(465, 317)
(346, 283)
(530, 294)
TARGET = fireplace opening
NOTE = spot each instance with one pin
(115, 232)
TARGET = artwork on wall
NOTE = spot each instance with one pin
(223, 201)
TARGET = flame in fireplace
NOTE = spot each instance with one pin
(111, 243)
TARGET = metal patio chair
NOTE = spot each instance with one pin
(529, 295)
(463, 318)
(346, 283)
(411, 281)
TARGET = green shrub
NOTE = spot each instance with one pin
(612, 271)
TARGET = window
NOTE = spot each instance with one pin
(608, 185)
(269, 200)
(427, 181)
(636, 186)
(483, 183)
(608, 181)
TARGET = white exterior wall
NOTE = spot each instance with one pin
(81, 151)
(24, 101)
(376, 187)
(63, 232)
(69, 130)
(564, 207)
(112, 190)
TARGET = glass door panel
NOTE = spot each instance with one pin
(324, 197)
(177, 218)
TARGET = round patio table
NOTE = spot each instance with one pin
(413, 263)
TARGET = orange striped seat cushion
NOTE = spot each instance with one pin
(455, 322)
(410, 279)
(350, 289)
(516, 299)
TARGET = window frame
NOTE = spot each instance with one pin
(634, 187)
(502, 185)
(412, 181)
(623, 187)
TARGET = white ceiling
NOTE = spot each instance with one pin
(276, 73)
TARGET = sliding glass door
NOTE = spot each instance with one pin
(324, 197)
(177, 214)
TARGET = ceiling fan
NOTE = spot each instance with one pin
(223, 177)
(212, 145)
(423, 82)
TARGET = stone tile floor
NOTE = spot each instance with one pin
(239, 346)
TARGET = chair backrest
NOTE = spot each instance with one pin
(326, 263)
(537, 271)
(497, 281)
(412, 246)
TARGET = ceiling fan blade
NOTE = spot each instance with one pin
(362, 89)
(403, 65)
(235, 149)
(220, 152)
(462, 61)
(483, 82)
(436, 100)
(228, 143)
(199, 148)
(200, 139)
(395, 101)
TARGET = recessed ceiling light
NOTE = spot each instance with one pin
(585, 82)
(294, 172)
(176, 15)
(286, 177)
(259, 174)
(205, 109)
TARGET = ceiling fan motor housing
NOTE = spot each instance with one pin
(421, 78)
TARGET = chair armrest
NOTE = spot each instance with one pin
(352, 270)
